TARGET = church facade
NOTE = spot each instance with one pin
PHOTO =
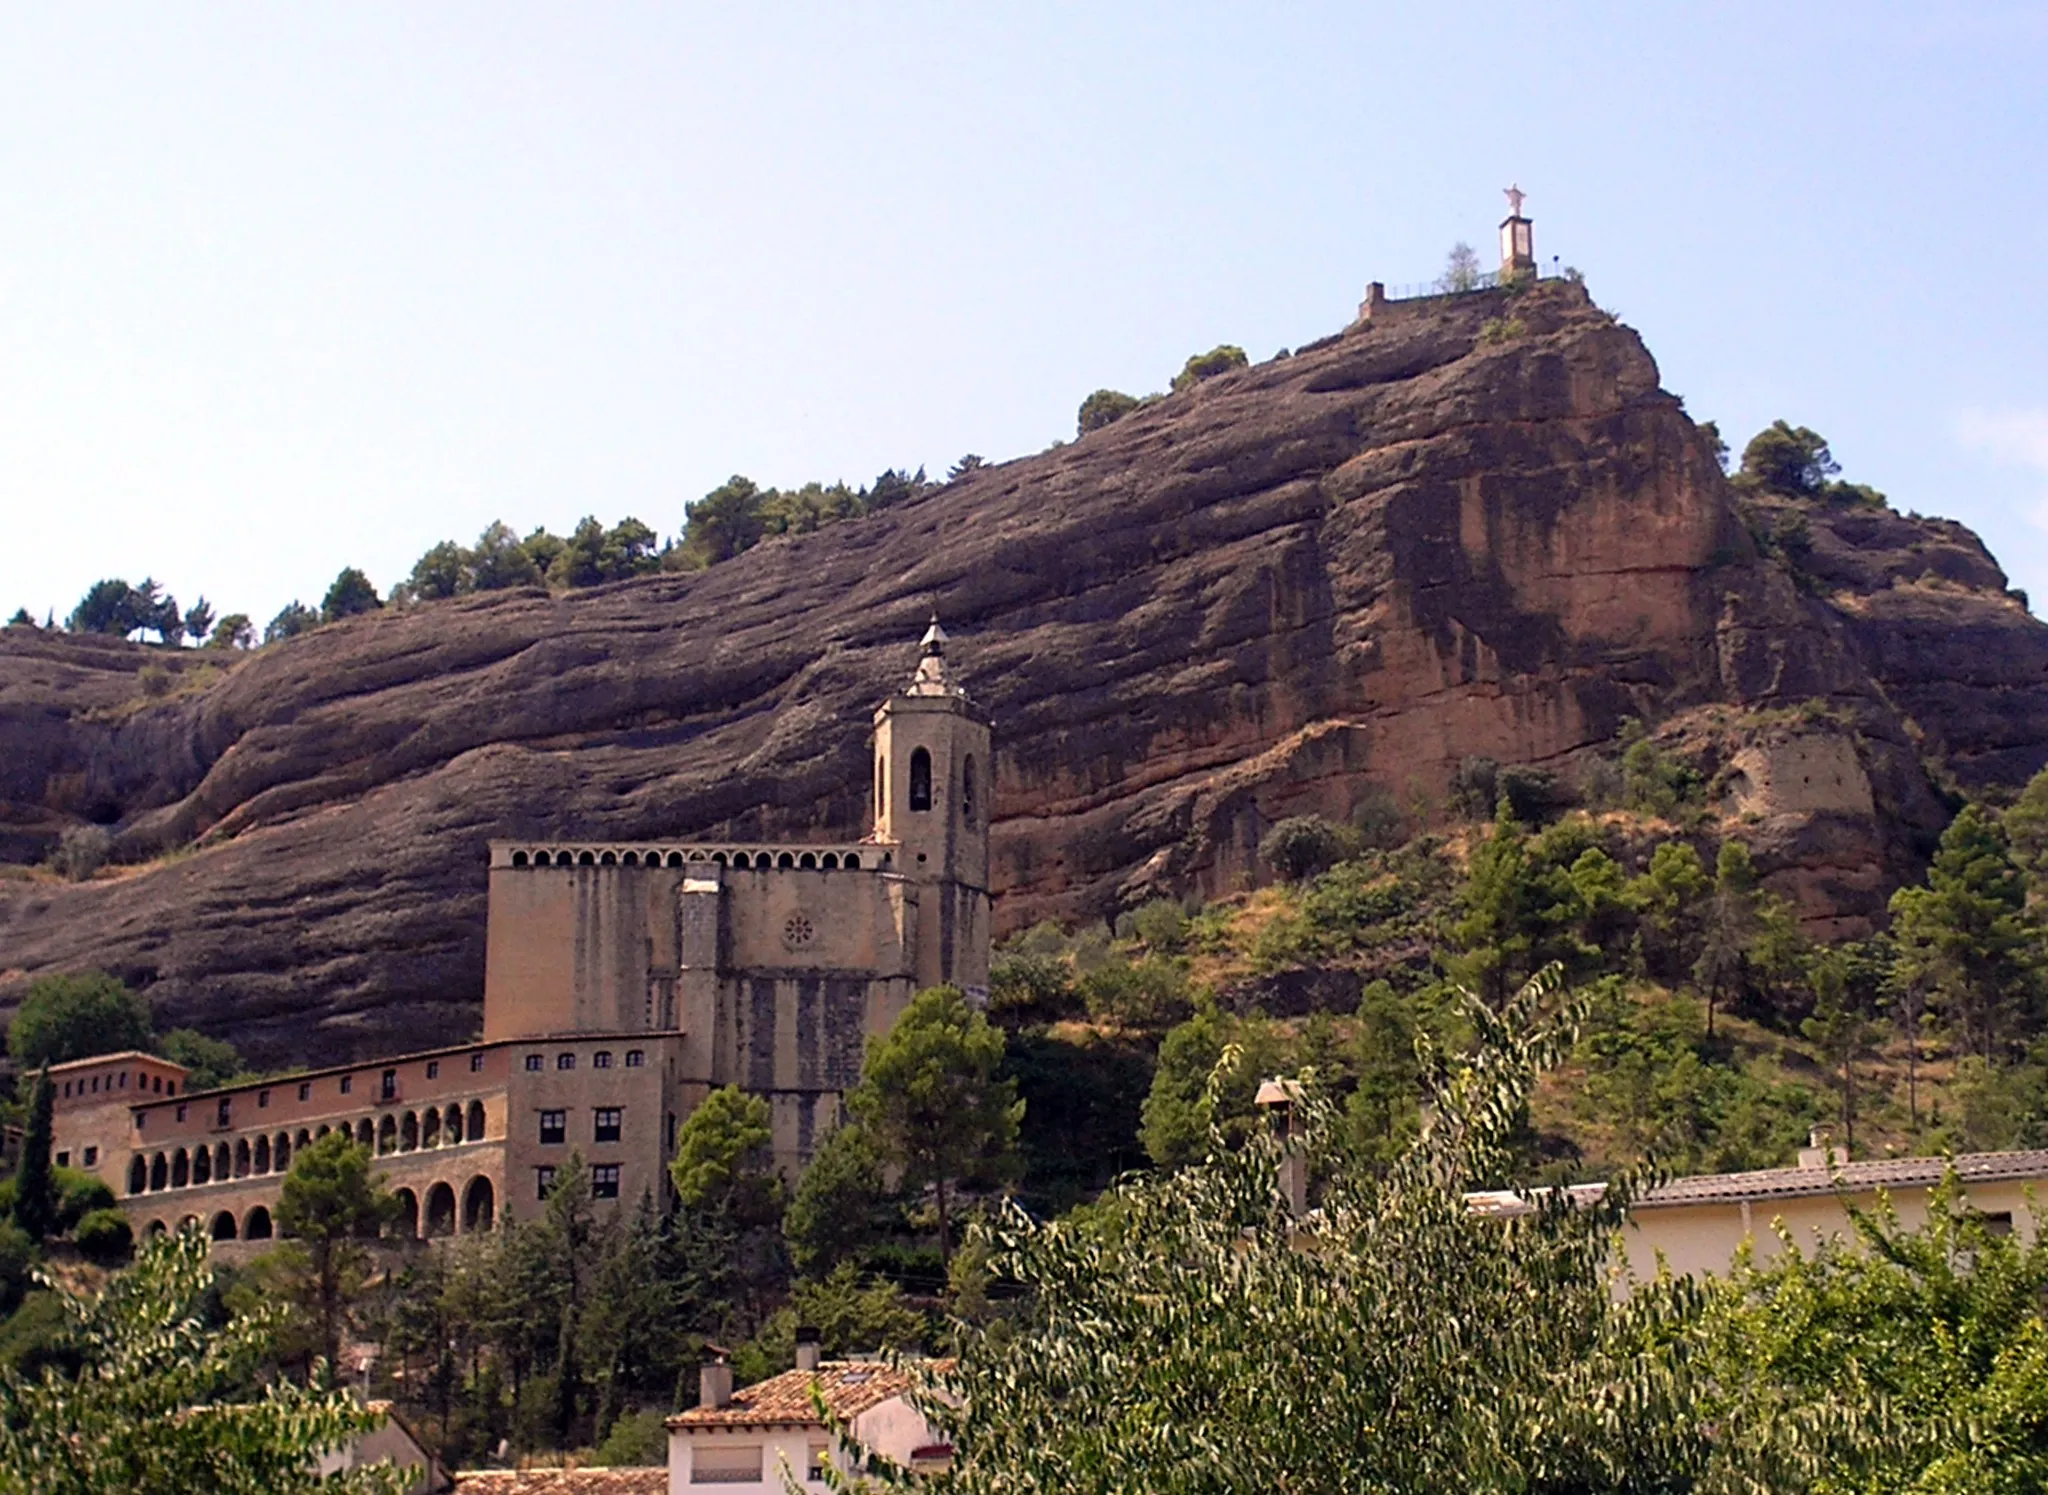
(623, 982)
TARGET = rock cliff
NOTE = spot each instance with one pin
(1474, 525)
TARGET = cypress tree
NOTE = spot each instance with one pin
(35, 1201)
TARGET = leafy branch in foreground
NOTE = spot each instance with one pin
(1191, 1335)
(152, 1400)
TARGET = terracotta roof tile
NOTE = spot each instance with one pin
(849, 1388)
(651, 1481)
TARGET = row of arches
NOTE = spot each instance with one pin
(180, 1168)
(478, 1211)
(828, 861)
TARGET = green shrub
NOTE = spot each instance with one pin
(1160, 925)
(1304, 846)
(1024, 987)
(17, 1258)
(78, 1195)
(636, 1440)
(82, 850)
(1220, 359)
(103, 1235)
(1148, 994)
(1103, 408)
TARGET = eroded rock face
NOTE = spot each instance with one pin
(1311, 583)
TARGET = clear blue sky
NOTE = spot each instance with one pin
(284, 288)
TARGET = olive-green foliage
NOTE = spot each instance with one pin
(848, 1312)
(1147, 993)
(1967, 940)
(1388, 1341)
(350, 594)
(1653, 781)
(81, 851)
(839, 1200)
(35, 1186)
(738, 514)
(1082, 1093)
(76, 1015)
(1304, 845)
(723, 1164)
(1209, 1068)
(155, 1405)
(211, 1063)
(1461, 269)
(1795, 462)
(1103, 408)
(331, 1201)
(1220, 359)
(1375, 902)
(1896, 1360)
(932, 1097)
(637, 1440)
(1029, 987)
(1160, 925)
(2026, 830)
(1659, 1084)
(235, 631)
(17, 1260)
(103, 1234)
(77, 1194)
(293, 619)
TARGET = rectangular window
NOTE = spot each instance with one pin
(668, 1133)
(607, 1124)
(389, 1084)
(181, 1113)
(67, 1090)
(63, 1160)
(170, 1087)
(602, 1059)
(1998, 1222)
(565, 1061)
(635, 1058)
(156, 1084)
(543, 1181)
(348, 1083)
(141, 1120)
(725, 1464)
(124, 1079)
(95, 1084)
(220, 1112)
(433, 1069)
(92, 1156)
(604, 1181)
(305, 1090)
(553, 1127)
(476, 1062)
(263, 1100)
(533, 1063)
(814, 1464)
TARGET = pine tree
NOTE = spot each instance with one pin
(1965, 937)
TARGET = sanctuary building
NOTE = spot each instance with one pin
(623, 982)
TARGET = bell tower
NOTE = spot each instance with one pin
(933, 777)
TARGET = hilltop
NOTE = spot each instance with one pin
(1473, 527)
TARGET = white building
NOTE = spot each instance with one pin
(747, 1439)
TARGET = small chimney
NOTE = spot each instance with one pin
(714, 1383)
(1821, 1152)
(1279, 1098)
(809, 1348)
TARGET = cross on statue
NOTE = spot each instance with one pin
(1515, 196)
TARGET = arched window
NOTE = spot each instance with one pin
(785, 860)
(440, 1211)
(256, 1227)
(159, 1173)
(181, 1169)
(202, 1166)
(407, 1226)
(453, 1125)
(829, 860)
(409, 1132)
(365, 1133)
(430, 1127)
(243, 1161)
(920, 780)
(632, 859)
(740, 859)
(138, 1174)
(223, 1226)
(387, 1135)
(262, 1161)
(474, 1127)
(881, 786)
(519, 859)
(281, 1153)
(807, 860)
(969, 799)
(853, 860)
(675, 859)
(478, 1201)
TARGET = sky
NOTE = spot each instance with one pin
(288, 288)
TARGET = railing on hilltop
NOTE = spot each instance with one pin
(1489, 281)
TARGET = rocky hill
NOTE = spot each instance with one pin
(1473, 525)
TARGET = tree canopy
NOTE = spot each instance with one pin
(74, 1016)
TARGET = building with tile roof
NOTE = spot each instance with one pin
(747, 1439)
(633, 1481)
(1697, 1224)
